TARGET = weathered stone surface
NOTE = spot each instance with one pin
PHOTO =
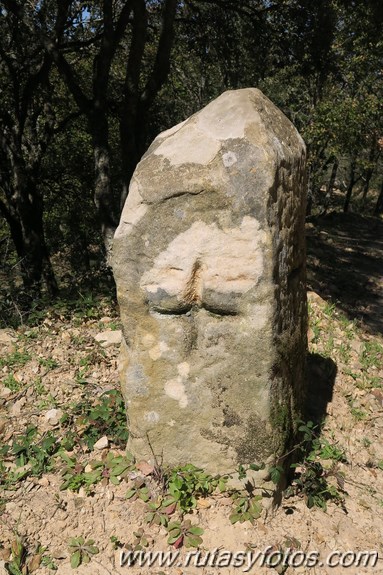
(209, 262)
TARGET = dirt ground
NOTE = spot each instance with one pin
(60, 364)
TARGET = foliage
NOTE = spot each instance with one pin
(111, 468)
(17, 564)
(185, 484)
(16, 358)
(81, 551)
(184, 534)
(310, 478)
(311, 482)
(32, 454)
(138, 490)
(105, 417)
(246, 508)
(140, 541)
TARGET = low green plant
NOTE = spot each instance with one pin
(344, 351)
(246, 507)
(159, 512)
(48, 561)
(138, 490)
(15, 359)
(116, 543)
(31, 453)
(11, 382)
(140, 541)
(40, 557)
(372, 355)
(73, 473)
(358, 413)
(48, 362)
(276, 473)
(185, 484)
(105, 417)
(326, 450)
(35, 450)
(17, 564)
(81, 551)
(313, 447)
(111, 468)
(81, 375)
(310, 478)
(311, 482)
(184, 534)
(329, 346)
(329, 309)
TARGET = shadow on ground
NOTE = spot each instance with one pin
(345, 265)
(320, 379)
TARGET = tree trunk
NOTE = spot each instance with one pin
(132, 138)
(351, 185)
(103, 189)
(330, 185)
(379, 203)
(25, 219)
(369, 172)
(332, 179)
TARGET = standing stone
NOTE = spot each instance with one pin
(209, 261)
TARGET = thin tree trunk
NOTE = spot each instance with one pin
(350, 186)
(103, 193)
(330, 185)
(369, 172)
(332, 179)
(33, 251)
(379, 203)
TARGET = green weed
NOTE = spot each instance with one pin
(310, 477)
(140, 541)
(185, 484)
(372, 355)
(11, 383)
(15, 359)
(246, 508)
(138, 490)
(48, 362)
(311, 482)
(329, 309)
(81, 551)
(105, 417)
(358, 414)
(17, 564)
(31, 453)
(184, 534)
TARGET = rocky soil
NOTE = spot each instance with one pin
(53, 372)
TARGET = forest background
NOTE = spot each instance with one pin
(86, 86)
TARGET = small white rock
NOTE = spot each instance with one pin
(53, 416)
(17, 406)
(6, 337)
(5, 392)
(109, 337)
(102, 443)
